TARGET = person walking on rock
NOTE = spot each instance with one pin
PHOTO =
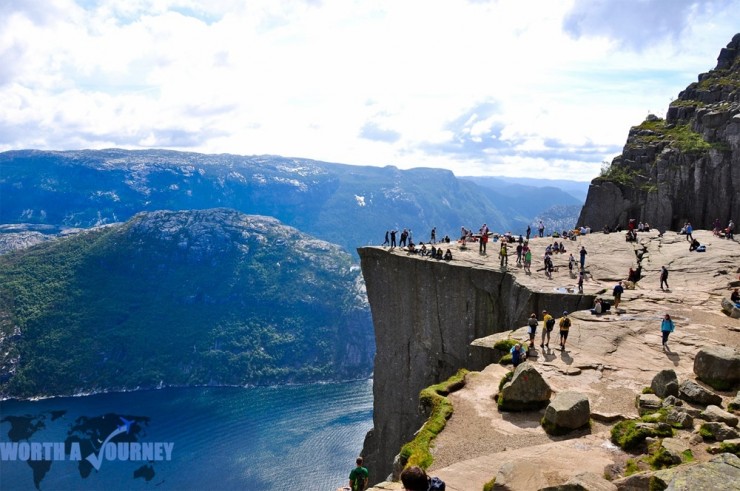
(532, 323)
(387, 240)
(583, 256)
(548, 324)
(618, 290)
(663, 277)
(564, 329)
(666, 328)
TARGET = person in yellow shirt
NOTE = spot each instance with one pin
(564, 329)
(548, 324)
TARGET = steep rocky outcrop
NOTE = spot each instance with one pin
(426, 313)
(683, 167)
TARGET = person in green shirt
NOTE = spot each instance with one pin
(358, 477)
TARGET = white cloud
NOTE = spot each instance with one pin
(548, 88)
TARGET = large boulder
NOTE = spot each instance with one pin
(718, 366)
(526, 391)
(716, 413)
(692, 392)
(665, 383)
(568, 411)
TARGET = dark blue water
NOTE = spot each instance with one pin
(282, 438)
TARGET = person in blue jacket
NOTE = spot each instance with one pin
(666, 328)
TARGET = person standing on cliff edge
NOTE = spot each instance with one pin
(358, 477)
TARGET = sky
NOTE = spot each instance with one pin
(532, 88)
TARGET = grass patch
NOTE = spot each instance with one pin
(417, 451)
(489, 485)
(648, 390)
(506, 359)
(727, 447)
(661, 459)
(505, 379)
(705, 433)
(631, 433)
(680, 136)
(505, 344)
(631, 467)
(687, 455)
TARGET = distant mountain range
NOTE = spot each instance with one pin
(205, 297)
(348, 205)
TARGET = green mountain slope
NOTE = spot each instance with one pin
(180, 298)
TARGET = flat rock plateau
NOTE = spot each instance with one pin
(609, 357)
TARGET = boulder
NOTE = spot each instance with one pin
(734, 405)
(665, 383)
(690, 391)
(718, 431)
(721, 472)
(718, 366)
(526, 391)
(678, 418)
(730, 309)
(586, 481)
(675, 448)
(567, 411)
(672, 401)
(715, 413)
(647, 403)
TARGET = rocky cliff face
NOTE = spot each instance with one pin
(426, 313)
(683, 167)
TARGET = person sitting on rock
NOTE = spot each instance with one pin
(735, 296)
(598, 307)
(439, 253)
(518, 354)
(448, 255)
(423, 249)
(694, 245)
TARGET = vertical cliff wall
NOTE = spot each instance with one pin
(683, 167)
(426, 313)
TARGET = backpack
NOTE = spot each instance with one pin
(550, 323)
(436, 484)
(701, 248)
(566, 322)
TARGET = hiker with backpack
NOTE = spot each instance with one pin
(548, 324)
(358, 478)
(564, 329)
(415, 479)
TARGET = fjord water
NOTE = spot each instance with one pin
(254, 439)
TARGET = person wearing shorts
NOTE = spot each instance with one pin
(564, 329)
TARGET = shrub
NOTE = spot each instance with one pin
(505, 344)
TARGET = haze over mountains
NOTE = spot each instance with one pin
(344, 204)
